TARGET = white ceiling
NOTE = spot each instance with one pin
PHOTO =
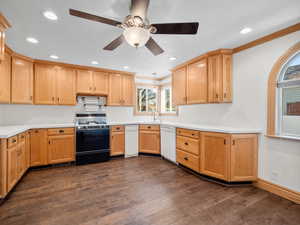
(79, 41)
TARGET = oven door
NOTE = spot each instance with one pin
(93, 139)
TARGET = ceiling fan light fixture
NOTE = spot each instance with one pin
(136, 36)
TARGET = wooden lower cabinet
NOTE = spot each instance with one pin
(229, 157)
(12, 167)
(149, 140)
(215, 155)
(117, 140)
(243, 157)
(38, 147)
(61, 149)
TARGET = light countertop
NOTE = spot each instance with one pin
(9, 131)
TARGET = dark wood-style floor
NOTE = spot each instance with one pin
(138, 191)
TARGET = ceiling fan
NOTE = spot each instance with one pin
(137, 28)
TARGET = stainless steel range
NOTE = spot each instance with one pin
(92, 138)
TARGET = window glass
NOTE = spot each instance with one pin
(289, 98)
(146, 99)
(166, 101)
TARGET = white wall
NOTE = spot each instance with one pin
(35, 114)
(279, 160)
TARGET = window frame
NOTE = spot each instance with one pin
(275, 94)
(175, 113)
(146, 86)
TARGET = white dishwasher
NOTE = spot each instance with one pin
(131, 140)
(168, 142)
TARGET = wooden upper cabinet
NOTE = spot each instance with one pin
(22, 81)
(92, 82)
(65, 86)
(4, 24)
(215, 152)
(115, 90)
(54, 85)
(100, 80)
(179, 78)
(84, 81)
(45, 84)
(5, 78)
(227, 78)
(219, 78)
(197, 82)
(127, 90)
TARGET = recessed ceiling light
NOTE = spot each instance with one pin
(50, 15)
(95, 63)
(246, 30)
(32, 40)
(54, 56)
(172, 58)
(126, 67)
(154, 73)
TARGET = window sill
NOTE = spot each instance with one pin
(169, 114)
(295, 138)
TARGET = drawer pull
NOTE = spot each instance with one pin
(186, 143)
(61, 131)
(149, 127)
(14, 141)
(118, 128)
(186, 158)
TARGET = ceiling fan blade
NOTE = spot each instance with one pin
(139, 8)
(115, 43)
(154, 47)
(176, 28)
(88, 16)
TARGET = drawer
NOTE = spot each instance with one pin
(22, 137)
(188, 133)
(149, 127)
(60, 131)
(117, 128)
(12, 141)
(190, 145)
(188, 160)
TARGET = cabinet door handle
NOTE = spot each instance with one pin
(90, 88)
(186, 143)
(57, 99)
(61, 131)
(94, 88)
(217, 96)
(186, 158)
(53, 99)
(225, 95)
(30, 98)
(233, 142)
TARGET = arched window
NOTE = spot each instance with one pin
(288, 102)
(284, 95)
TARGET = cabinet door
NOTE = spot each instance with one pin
(215, 153)
(215, 79)
(127, 90)
(84, 82)
(243, 157)
(100, 83)
(22, 81)
(66, 86)
(2, 43)
(38, 147)
(21, 160)
(149, 142)
(117, 143)
(45, 84)
(12, 168)
(179, 86)
(27, 149)
(227, 78)
(61, 149)
(5, 75)
(197, 82)
(115, 89)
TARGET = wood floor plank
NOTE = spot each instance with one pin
(138, 191)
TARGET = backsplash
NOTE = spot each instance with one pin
(37, 114)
